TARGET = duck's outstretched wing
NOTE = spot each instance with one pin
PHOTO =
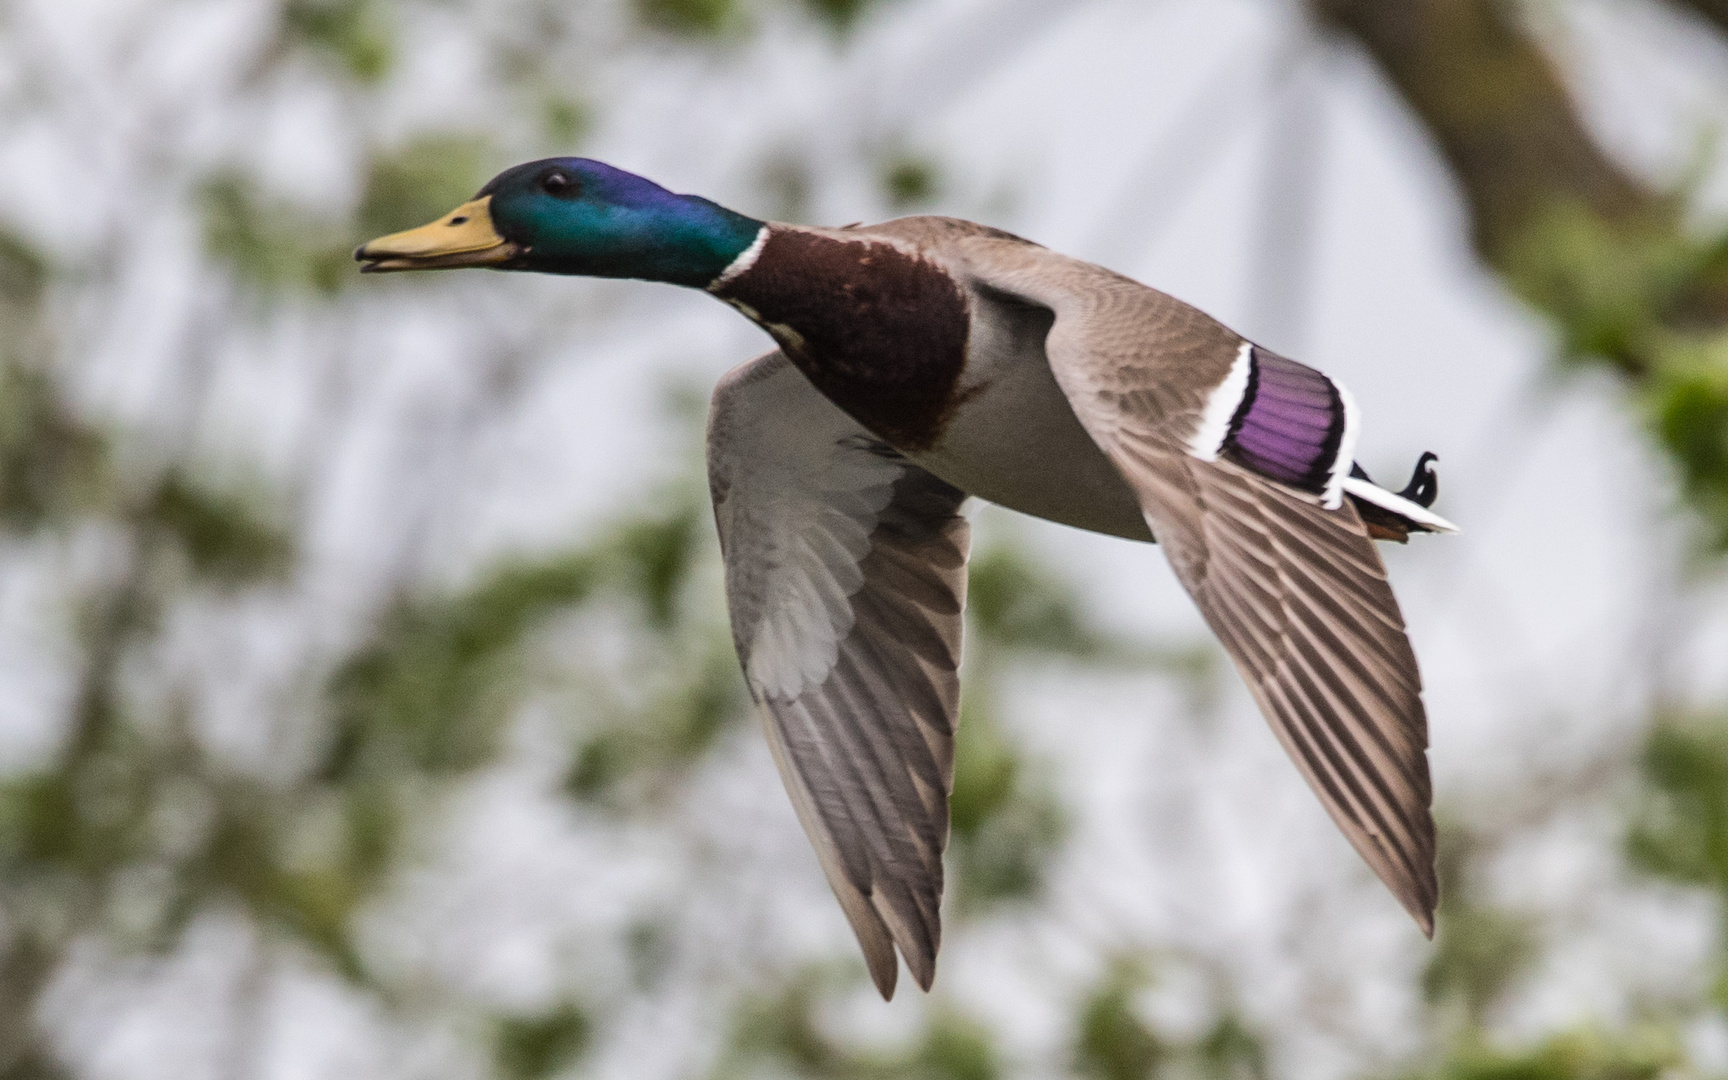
(1239, 459)
(846, 581)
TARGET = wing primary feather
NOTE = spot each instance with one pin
(1252, 519)
(845, 580)
(867, 926)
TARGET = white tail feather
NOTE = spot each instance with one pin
(1397, 504)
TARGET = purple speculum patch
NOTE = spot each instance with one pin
(1290, 423)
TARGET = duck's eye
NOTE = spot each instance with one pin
(556, 183)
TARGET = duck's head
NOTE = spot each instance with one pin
(574, 216)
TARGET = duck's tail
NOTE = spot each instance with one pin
(1394, 516)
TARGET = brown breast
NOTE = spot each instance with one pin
(880, 331)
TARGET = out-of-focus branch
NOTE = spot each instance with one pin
(1607, 255)
(24, 970)
(1497, 107)
(1714, 10)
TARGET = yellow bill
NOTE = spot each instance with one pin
(463, 237)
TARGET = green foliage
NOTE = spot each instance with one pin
(24, 273)
(1608, 285)
(650, 945)
(695, 693)
(783, 1031)
(565, 119)
(77, 828)
(1647, 297)
(269, 244)
(353, 33)
(713, 18)
(691, 18)
(414, 693)
(1479, 950)
(839, 15)
(605, 761)
(1005, 825)
(529, 1048)
(420, 181)
(910, 181)
(433, 685)
(44, 826)
(1231, 1051)
(1112, 1041)
(35, 1065)
(1583, 1055)
(1689, 406)
(51, 465)
(653, 557)
(679, 726)
(224, 537)
(1013, 603)
(245, 857)
(954, 1048)
(304, 858)
(275, 246)
(87, 814)
(1680, 830)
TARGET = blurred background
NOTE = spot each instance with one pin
(367, 707)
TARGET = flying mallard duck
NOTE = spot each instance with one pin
(925, 360)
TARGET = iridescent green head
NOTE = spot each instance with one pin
(574, 216)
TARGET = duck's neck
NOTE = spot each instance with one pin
(879, 329)
(709, 241)
(741, 262)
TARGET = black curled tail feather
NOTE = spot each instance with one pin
(1380, 509)
(1424, 483)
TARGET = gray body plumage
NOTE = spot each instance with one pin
(1084, 398)
(1016, 441)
